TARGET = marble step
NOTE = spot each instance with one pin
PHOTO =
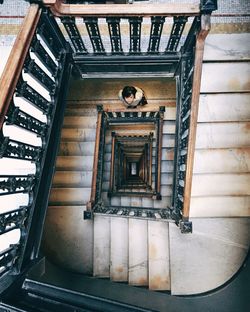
(74, 148)
(81, 163)
(69, 196)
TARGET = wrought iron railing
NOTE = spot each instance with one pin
(105, 120)
(32, 105)
(188, 92)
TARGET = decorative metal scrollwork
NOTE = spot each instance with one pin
(176, 33)
(24, 120)
(15, 149)
(74, 35)
(26, 91)
(16, 184)
(13, 219)
(94, 34)
(155, 33)
(37, 73)
(135, 34)
(49, 37)
(43, 56)
(115, 34)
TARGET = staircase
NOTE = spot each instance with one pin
(133, 241)
(129, 247)
(109, 247)
(71, 189)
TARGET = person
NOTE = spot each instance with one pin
(132, 96)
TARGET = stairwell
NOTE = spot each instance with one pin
(153, 253)
(108, 246)
(137, 250)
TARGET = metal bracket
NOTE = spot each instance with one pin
(87, 215)
(186, 227)
(207, 6)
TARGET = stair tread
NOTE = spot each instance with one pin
(76, 148)
(79, 122)
(72, 179)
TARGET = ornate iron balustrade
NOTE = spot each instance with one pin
(107, 47)
(108, 119)
(40, 54)
(188, 91)
(96, 187)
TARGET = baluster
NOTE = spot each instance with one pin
(16, 184)
(176, 32)
(8, 257)
(94, 34)
(43, 56)
(152, 115)
(110, 115)
(14, 149)
(16, 116)
(135, 34)
(112, 165)
(115, 34)
(49, 36)
(39, 75)
(74, 34)
(31, 95)
(12, 220)
(155, 33)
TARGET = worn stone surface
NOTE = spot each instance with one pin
(220, 206)
(119, 250)
(158, 246)
(138, 252)
(210, 256)
(229, 77)
(101, 247)
(68, 239)
(218, 47)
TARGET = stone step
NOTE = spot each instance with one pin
(82, 163)
(69, 196)
(59, 237)
(72, 179)
(78, 135)
(80, 122)
(119, 249)
(81, 110)
(138, 252)
(101, 248)
(75, 148)
(159, 256)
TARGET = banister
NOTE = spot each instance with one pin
(96, 158)
(16, 59)
(59, 8)
(200, 43)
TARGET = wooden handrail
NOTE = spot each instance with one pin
(159, 154)
(145, 108)
(59, 8)
(96, 157)
(16, 59)
(199, 50)
(112, 166)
